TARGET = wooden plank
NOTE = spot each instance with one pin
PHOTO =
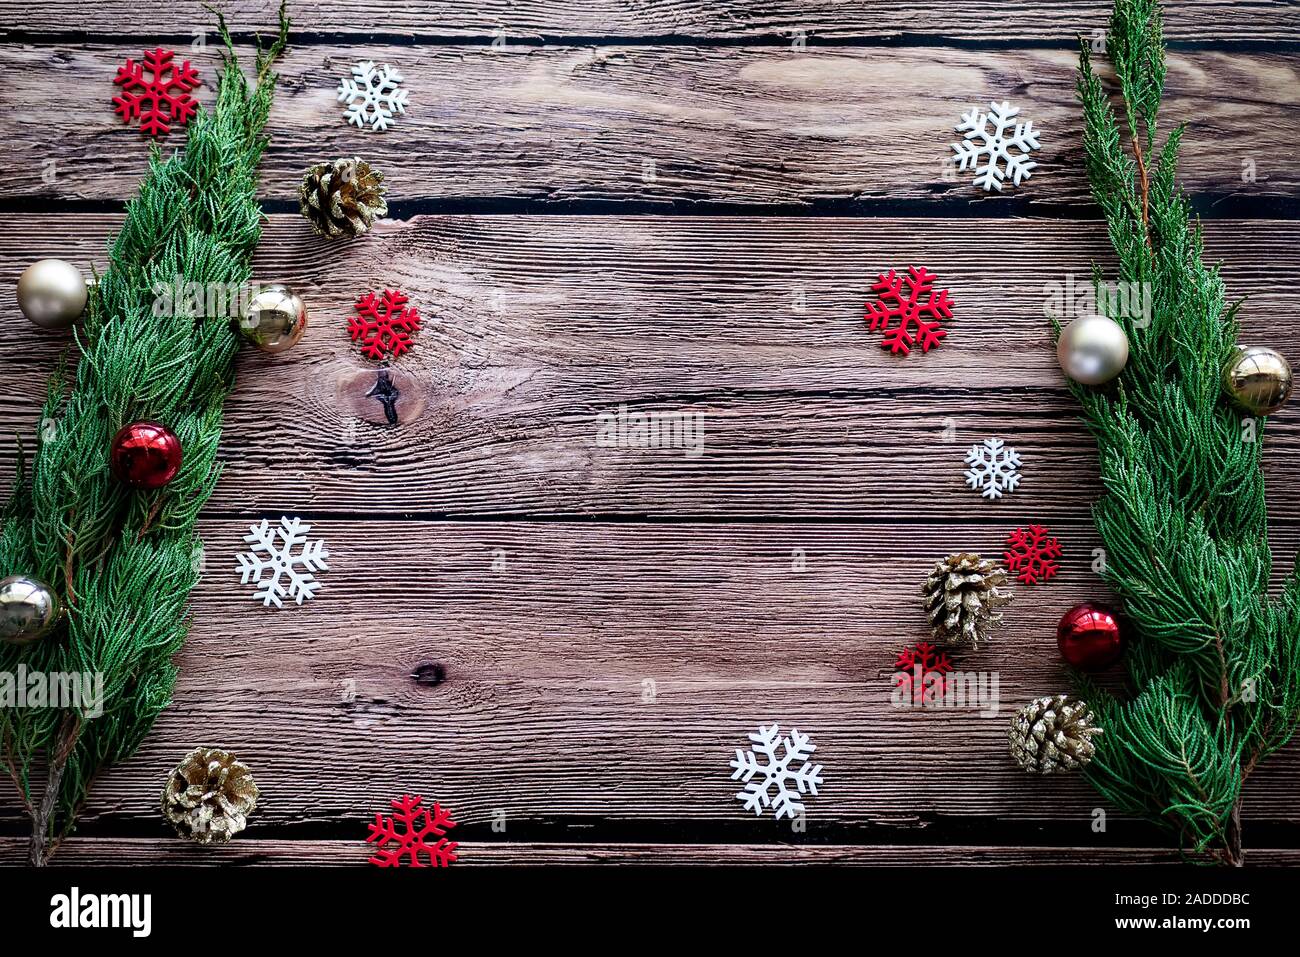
(588, 679)
(250, 850)
(1209, 21)
(539, 325)
(661, 124)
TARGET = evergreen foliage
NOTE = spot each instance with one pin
(1214, 660)
(123, 561)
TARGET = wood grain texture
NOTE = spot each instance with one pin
(590, 681)
(1197, 20)
(652, 124)
(537, 326)
(80, 852)
(520, 621)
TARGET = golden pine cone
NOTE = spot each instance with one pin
(962, 597)
(1053, 734)
(209, 796)
(342, 198)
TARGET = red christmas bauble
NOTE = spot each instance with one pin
(1090, 636)
(145, 455)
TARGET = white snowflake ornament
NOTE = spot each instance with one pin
(986, 134)
(269, 561)
(994, 468)
(373, 95)
(759, 778)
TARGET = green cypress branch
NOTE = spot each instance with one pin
(123, 561)
(1215, 662)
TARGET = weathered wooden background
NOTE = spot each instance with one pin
(672, 205)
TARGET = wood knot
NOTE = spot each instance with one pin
(383, 396)
(431, 674)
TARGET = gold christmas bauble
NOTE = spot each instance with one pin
(52, 293)
(1258, 379)
(28, 610)
(1092, 349)
(275, 319)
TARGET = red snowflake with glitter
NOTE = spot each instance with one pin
(161, 100)
(383, 324)
(418, 825)
(904, 303)
(916, 663)
(1033, 553)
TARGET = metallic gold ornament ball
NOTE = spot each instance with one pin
(28, 610)
(1259, 379)
(275, 319)
(52, 293)
(1092, 350)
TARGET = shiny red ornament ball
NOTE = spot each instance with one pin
(1091, 637)
(145, 455)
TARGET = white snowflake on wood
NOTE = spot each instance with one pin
(759, 778)
(373, 95)
(986, 135)
(994, 468)
(271, 560)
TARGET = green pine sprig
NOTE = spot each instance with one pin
(124, 562)
(1214, 663)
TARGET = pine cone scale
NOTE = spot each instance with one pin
(1053, 734)
(209, 796)
(962, 596)
(342, 198)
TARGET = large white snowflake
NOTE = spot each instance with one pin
(759, 778)
(986, 135)
(273, 552)
(994, 468)
(373, 95)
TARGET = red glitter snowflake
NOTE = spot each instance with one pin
(161, 100)
(930, 661)
(907, 301)
(1033, 553)
(383, 324)
(418, 825)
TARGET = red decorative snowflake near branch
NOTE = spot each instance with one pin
(418, 825)
(930, 661)
(161, 100)
(1033, 553)
(383, 324)
(907, 301)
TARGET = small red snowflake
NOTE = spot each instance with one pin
(417, 826)
(160, 101)
(930, 661)
(383, 324)
(1032, 552)
(907, 301)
